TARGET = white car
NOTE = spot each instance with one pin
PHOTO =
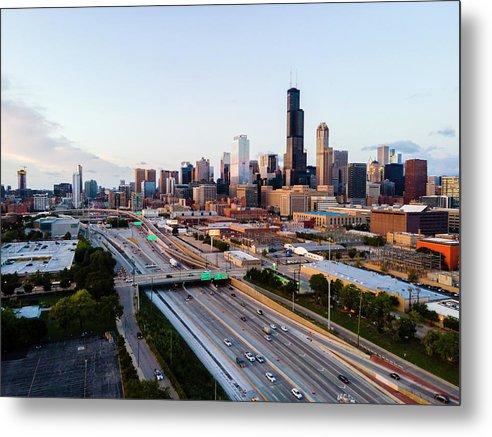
(284, 328)
(270, 377)
(297, 393)
(158, 375)
(260, 359)
(227, 342)
(273, 326)
(268, 337)
(250, 357)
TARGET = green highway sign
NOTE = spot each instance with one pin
(206, 276)
(137, 223)
(152, 237)
(139, 212)
(219, 276)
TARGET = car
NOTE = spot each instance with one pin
(227, 342)
(441, 398)
(211, 293)
(243, 318)
(139, 336)
(259, 358)
(158, 375)
(273, 326)
(240, 362)
(255, 399)
(189, 297)
(250, 357)
(297, 393)
(259, 312)
(284, 328)
(268, 337)
(230, 288)
(233, 294)
(129, 280)
(395, 376)
(169, 276)
(270, 377)
(344, 379)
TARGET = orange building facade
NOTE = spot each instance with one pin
(450, 249)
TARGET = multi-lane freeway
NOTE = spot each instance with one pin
(296, 358)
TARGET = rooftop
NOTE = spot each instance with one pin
(445, 241)
(448, 307)
(242, 255)
(28, 257)
(326, 213)
(374, 281)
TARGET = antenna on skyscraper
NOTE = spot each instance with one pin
(290, 83)
(296, 78)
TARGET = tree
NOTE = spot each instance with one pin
(349, 296)
(451, 323)
(412, 275)
(67, 236)
(108, 309)
(27, 286)
(384, 267)
(319, 285)
(264, 252)
(10, 282)
(352, 252)
(430, 342)
(447, 346)
(78, 308)
(46, 281)
(338, 255)
(379, 310)
(175, 231)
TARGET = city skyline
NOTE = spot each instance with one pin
(364, 109)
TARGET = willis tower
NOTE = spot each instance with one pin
(295, 157)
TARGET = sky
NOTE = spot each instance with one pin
(117, 88)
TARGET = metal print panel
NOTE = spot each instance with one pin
(232, 203)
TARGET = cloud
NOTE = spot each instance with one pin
(402, 146)
(141, 163)
(29, 138)
(447, 132)
(418, 95)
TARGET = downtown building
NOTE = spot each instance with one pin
(295, 157)
(239, 167)
(415, 179)
(356, 183)
(324, 156)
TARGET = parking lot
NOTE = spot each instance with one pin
(79, 368)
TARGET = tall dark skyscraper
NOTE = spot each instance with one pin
(356, 182)
(21, 180)
(394, 173)
(415, 179)
(295, 158)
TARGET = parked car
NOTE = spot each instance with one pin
(139, 336)
(158, 375)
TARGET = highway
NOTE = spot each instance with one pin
(297, 358)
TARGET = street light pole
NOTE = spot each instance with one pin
(138, 352)
(329, 285)
(358, 322)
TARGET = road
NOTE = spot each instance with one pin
(311, 366)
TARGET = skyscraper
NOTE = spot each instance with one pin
(185, 173)
(268, 165)
(383, 155)
(139, 178)
(202, 170)
(90, 188)
(295, 157)
(339, 173)
(415, 179)
(324, 156)
(225, 164)
(77, 188)
(374, 172)
(394, 173)
(150, 175)
(356, 182)
(22, 180)
(239, 169)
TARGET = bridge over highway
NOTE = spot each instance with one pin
(180, 276)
